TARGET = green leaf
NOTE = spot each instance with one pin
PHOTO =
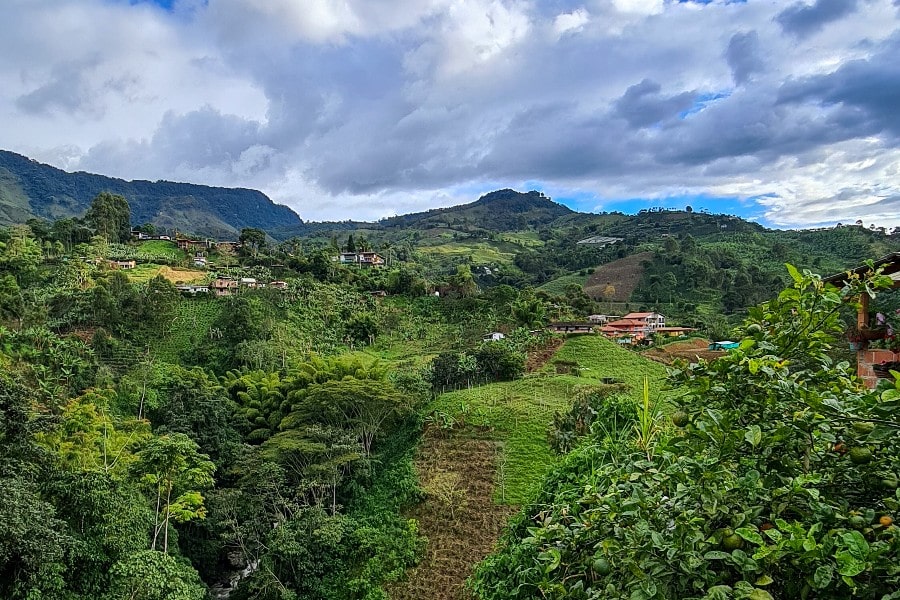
(753, 435)
(793, 272)
(764, 580)
(823, 577)
(758, 594)
(750, 535)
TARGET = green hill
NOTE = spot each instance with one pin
(31, 189)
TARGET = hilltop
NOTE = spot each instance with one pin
(32, 189)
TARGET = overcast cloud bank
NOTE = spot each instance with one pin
(362, 109)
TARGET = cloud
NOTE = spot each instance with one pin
(373, 107)
(571, 22)
(744, 56)
(865, 92)
(802, 19)
(643, 105)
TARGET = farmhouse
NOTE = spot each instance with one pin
(122, 264)
(651, 320)
(361, 259)
(223, 286)
(193, 245)
(602, 319)
(193, 290)
(571, 327)
(674, 331)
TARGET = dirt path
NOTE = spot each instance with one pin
(459, 469)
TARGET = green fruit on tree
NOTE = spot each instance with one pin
(602, 566)
(681, 418)
(732, 542)
(860, 455)
(754, 328)
(858, 522)
(863, 427)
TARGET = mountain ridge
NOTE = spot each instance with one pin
(29, 188)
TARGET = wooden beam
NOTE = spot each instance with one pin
(862, 317)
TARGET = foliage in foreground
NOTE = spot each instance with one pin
(781, 483)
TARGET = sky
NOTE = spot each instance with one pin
(787, 113)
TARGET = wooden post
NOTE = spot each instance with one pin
(862, 317)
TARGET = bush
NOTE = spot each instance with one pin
(754, 497)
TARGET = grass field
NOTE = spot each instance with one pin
(557, 287)
(161, 250)
(520, 411)
(482, 252)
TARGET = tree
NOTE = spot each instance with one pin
(253, 240)
(362, 405)
(172, 468)
(110, 216)
(150, 575)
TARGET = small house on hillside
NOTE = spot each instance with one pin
(361, 259)
(278, 285)
(193, 245)
(651, 320)
(602, 319)
(193, 290)
(494, 336)
(723, 345)
(122, 264)
(224, 286)
(571, 327)
(674, 331)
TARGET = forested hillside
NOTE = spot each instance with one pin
(31, 189)
(265, 421)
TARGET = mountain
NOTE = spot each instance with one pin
(503, 210)
(32, 189)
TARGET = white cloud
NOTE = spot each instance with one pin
(572, 21)
(364, 108)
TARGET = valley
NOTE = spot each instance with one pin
(387, 410)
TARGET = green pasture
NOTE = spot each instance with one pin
(160, 250)
(557, 287)
(520, 411)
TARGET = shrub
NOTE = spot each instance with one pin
(755, 497)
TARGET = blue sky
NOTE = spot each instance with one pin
(784, 112)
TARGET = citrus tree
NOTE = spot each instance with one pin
(777, 479)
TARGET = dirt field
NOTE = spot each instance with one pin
(623, 274)
(177, 276)
(537, 358)
(689, 350)
(455, 542)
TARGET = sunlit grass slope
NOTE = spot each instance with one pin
(520, 411)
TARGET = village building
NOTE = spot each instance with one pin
(602, 319)
(121, 264)
(193, 290)
(494, 336)
(571, 327)
(224, 287)
(361, 259)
